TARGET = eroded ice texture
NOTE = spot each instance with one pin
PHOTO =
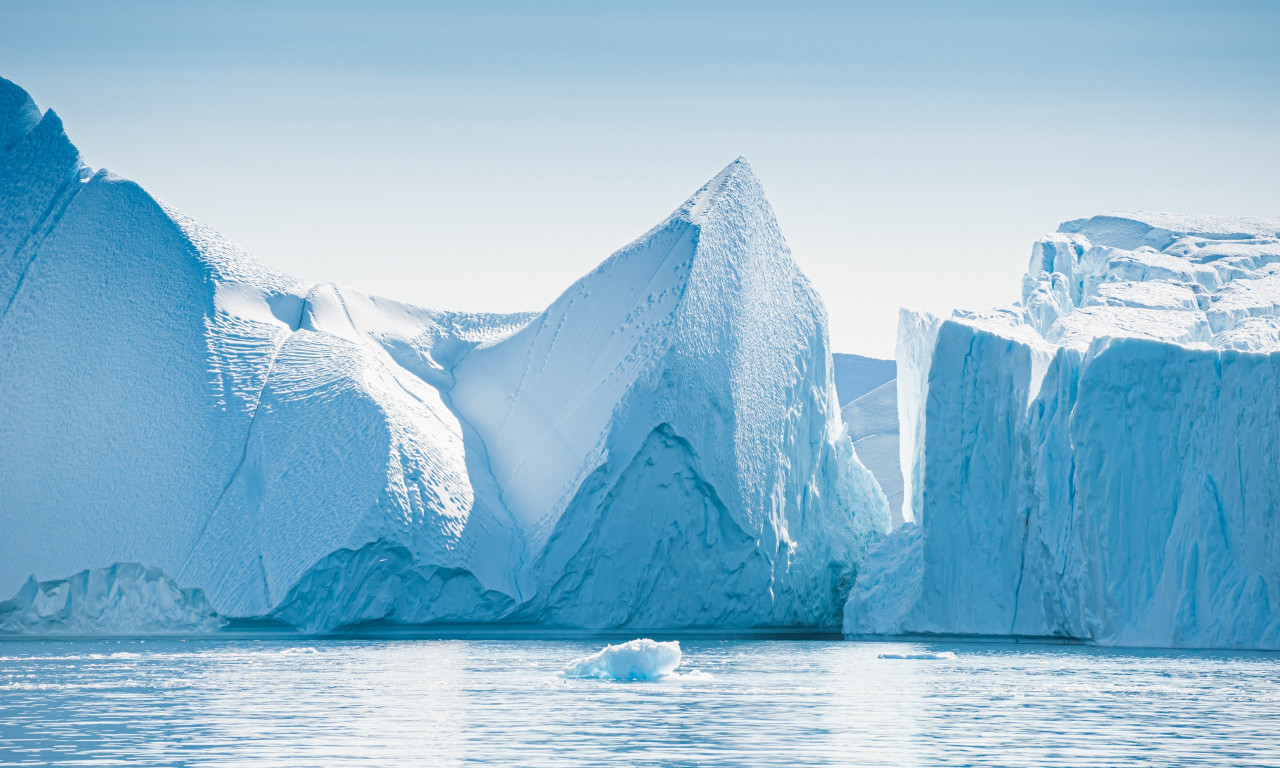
(641, 659)
(661, 447)
(1098, 461)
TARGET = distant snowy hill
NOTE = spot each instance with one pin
(662, 447)
(1098, 461)
(857, 375)
(872, 424)
(868, 395)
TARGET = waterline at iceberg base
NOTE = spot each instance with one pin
(1098, 461)
(190, 440)
(182, 427)
(729, 703)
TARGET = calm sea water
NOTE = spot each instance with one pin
(785, 703)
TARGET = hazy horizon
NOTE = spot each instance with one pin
(485, 159)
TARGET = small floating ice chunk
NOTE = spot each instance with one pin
(693, 676)
(922, 655)
(641, 659)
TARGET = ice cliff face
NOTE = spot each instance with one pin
(1097, 462)
(661, 447)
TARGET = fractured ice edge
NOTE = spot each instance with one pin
(1098, 461)
(661, 448)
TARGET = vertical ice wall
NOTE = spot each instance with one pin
(1098, 463)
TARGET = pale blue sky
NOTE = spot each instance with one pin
(484, 155)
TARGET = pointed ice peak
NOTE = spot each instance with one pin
(735, 184)
(18, 113)
(695, 208)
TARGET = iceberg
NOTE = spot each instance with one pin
(641, 659)
(1097, 461)
(661, 447)
(123, 599)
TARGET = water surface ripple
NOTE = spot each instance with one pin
(750, 703)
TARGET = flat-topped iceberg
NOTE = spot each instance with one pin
(661, 447)
(1098, 461)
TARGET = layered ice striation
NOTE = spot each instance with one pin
(662, 447)
(1098, 461)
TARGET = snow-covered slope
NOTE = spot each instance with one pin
(660, 447)
(1098, 462)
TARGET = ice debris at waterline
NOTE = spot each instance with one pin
(124, 599)
(1098, 461)
(661, 447)
(920, 656)
(642, 659)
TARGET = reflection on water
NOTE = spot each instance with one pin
(463, 702)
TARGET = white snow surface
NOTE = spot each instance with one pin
(642, 659)
(659, 448)
(1098, 461)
